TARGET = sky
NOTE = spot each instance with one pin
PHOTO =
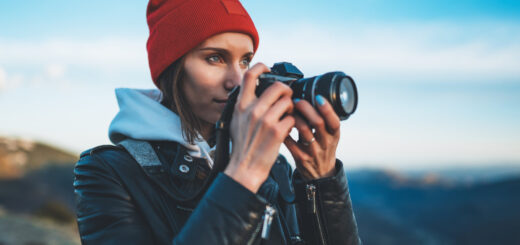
(438, 81)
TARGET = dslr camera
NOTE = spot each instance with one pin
(336, 87)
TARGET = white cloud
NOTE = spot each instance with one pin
(439, 51)
(15, 81)
(103, 53)
(9, 82)
(55, 71)
(421, 50)
(383, 51)
(3, 78)
(62, 61)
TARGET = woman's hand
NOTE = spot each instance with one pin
(259, 126)
(315, 153)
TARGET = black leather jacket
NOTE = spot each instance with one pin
(118, 201)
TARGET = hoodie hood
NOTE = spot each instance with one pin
(141, 116)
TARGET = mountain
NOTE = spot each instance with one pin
(19, 156)
(36, 194)
(23, 230)
(431, 207)
(397, 209)
(471, 174)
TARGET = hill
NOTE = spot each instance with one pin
(19, 156)
(36, 195)
(23, 230)
(394, 209)
(390, 207)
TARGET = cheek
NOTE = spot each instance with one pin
(200, 101)
(203, 81)
(201, 85)
(198, 88)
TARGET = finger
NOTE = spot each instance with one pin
(280, 126)
(268, 99)
(273, 93)
(306, 138)
(313, 117)
(279, 108)
(296, 151)
(276, 128)
(305, 132)
(247, 92)
(286, 124)
(292, 145)
(298, 154)
(331, 118)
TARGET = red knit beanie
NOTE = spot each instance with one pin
(177, 26)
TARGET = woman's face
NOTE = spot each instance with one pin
(213, 69)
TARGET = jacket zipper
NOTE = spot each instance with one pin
(311, 197)
(268, 220)
(265, 225)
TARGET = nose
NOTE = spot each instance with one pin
(233, 77)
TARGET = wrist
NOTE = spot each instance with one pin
(325, 173)
(247, 178)
(332, 171)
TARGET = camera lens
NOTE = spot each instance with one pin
(343, 95)
(347, 96)
(338, 88)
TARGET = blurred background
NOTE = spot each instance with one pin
(432, 153)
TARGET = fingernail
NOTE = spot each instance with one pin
(320, 100)
(296, 100)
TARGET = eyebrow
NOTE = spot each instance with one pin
(225, 51)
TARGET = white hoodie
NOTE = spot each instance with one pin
(141, 116)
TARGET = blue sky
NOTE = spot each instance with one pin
(439, 80)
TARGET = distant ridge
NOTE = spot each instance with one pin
(391, 207)
(19, 156)
(36, 179)
(430, 209)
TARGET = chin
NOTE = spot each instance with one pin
(211, 119)
(214, 120)
(209, 116)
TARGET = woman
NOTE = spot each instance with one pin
(137, 192)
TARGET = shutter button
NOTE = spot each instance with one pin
(184, 168)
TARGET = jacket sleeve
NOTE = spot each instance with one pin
(325, 209)
(105, 212)
(227, 214)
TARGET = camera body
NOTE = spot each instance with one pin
(336, 87)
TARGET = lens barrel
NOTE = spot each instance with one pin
(336, 87)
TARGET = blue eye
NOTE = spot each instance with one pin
(245, 62)
(214, 59)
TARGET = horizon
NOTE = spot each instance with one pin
(504, 168)
(438, 81)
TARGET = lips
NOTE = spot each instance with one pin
(220, 100)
